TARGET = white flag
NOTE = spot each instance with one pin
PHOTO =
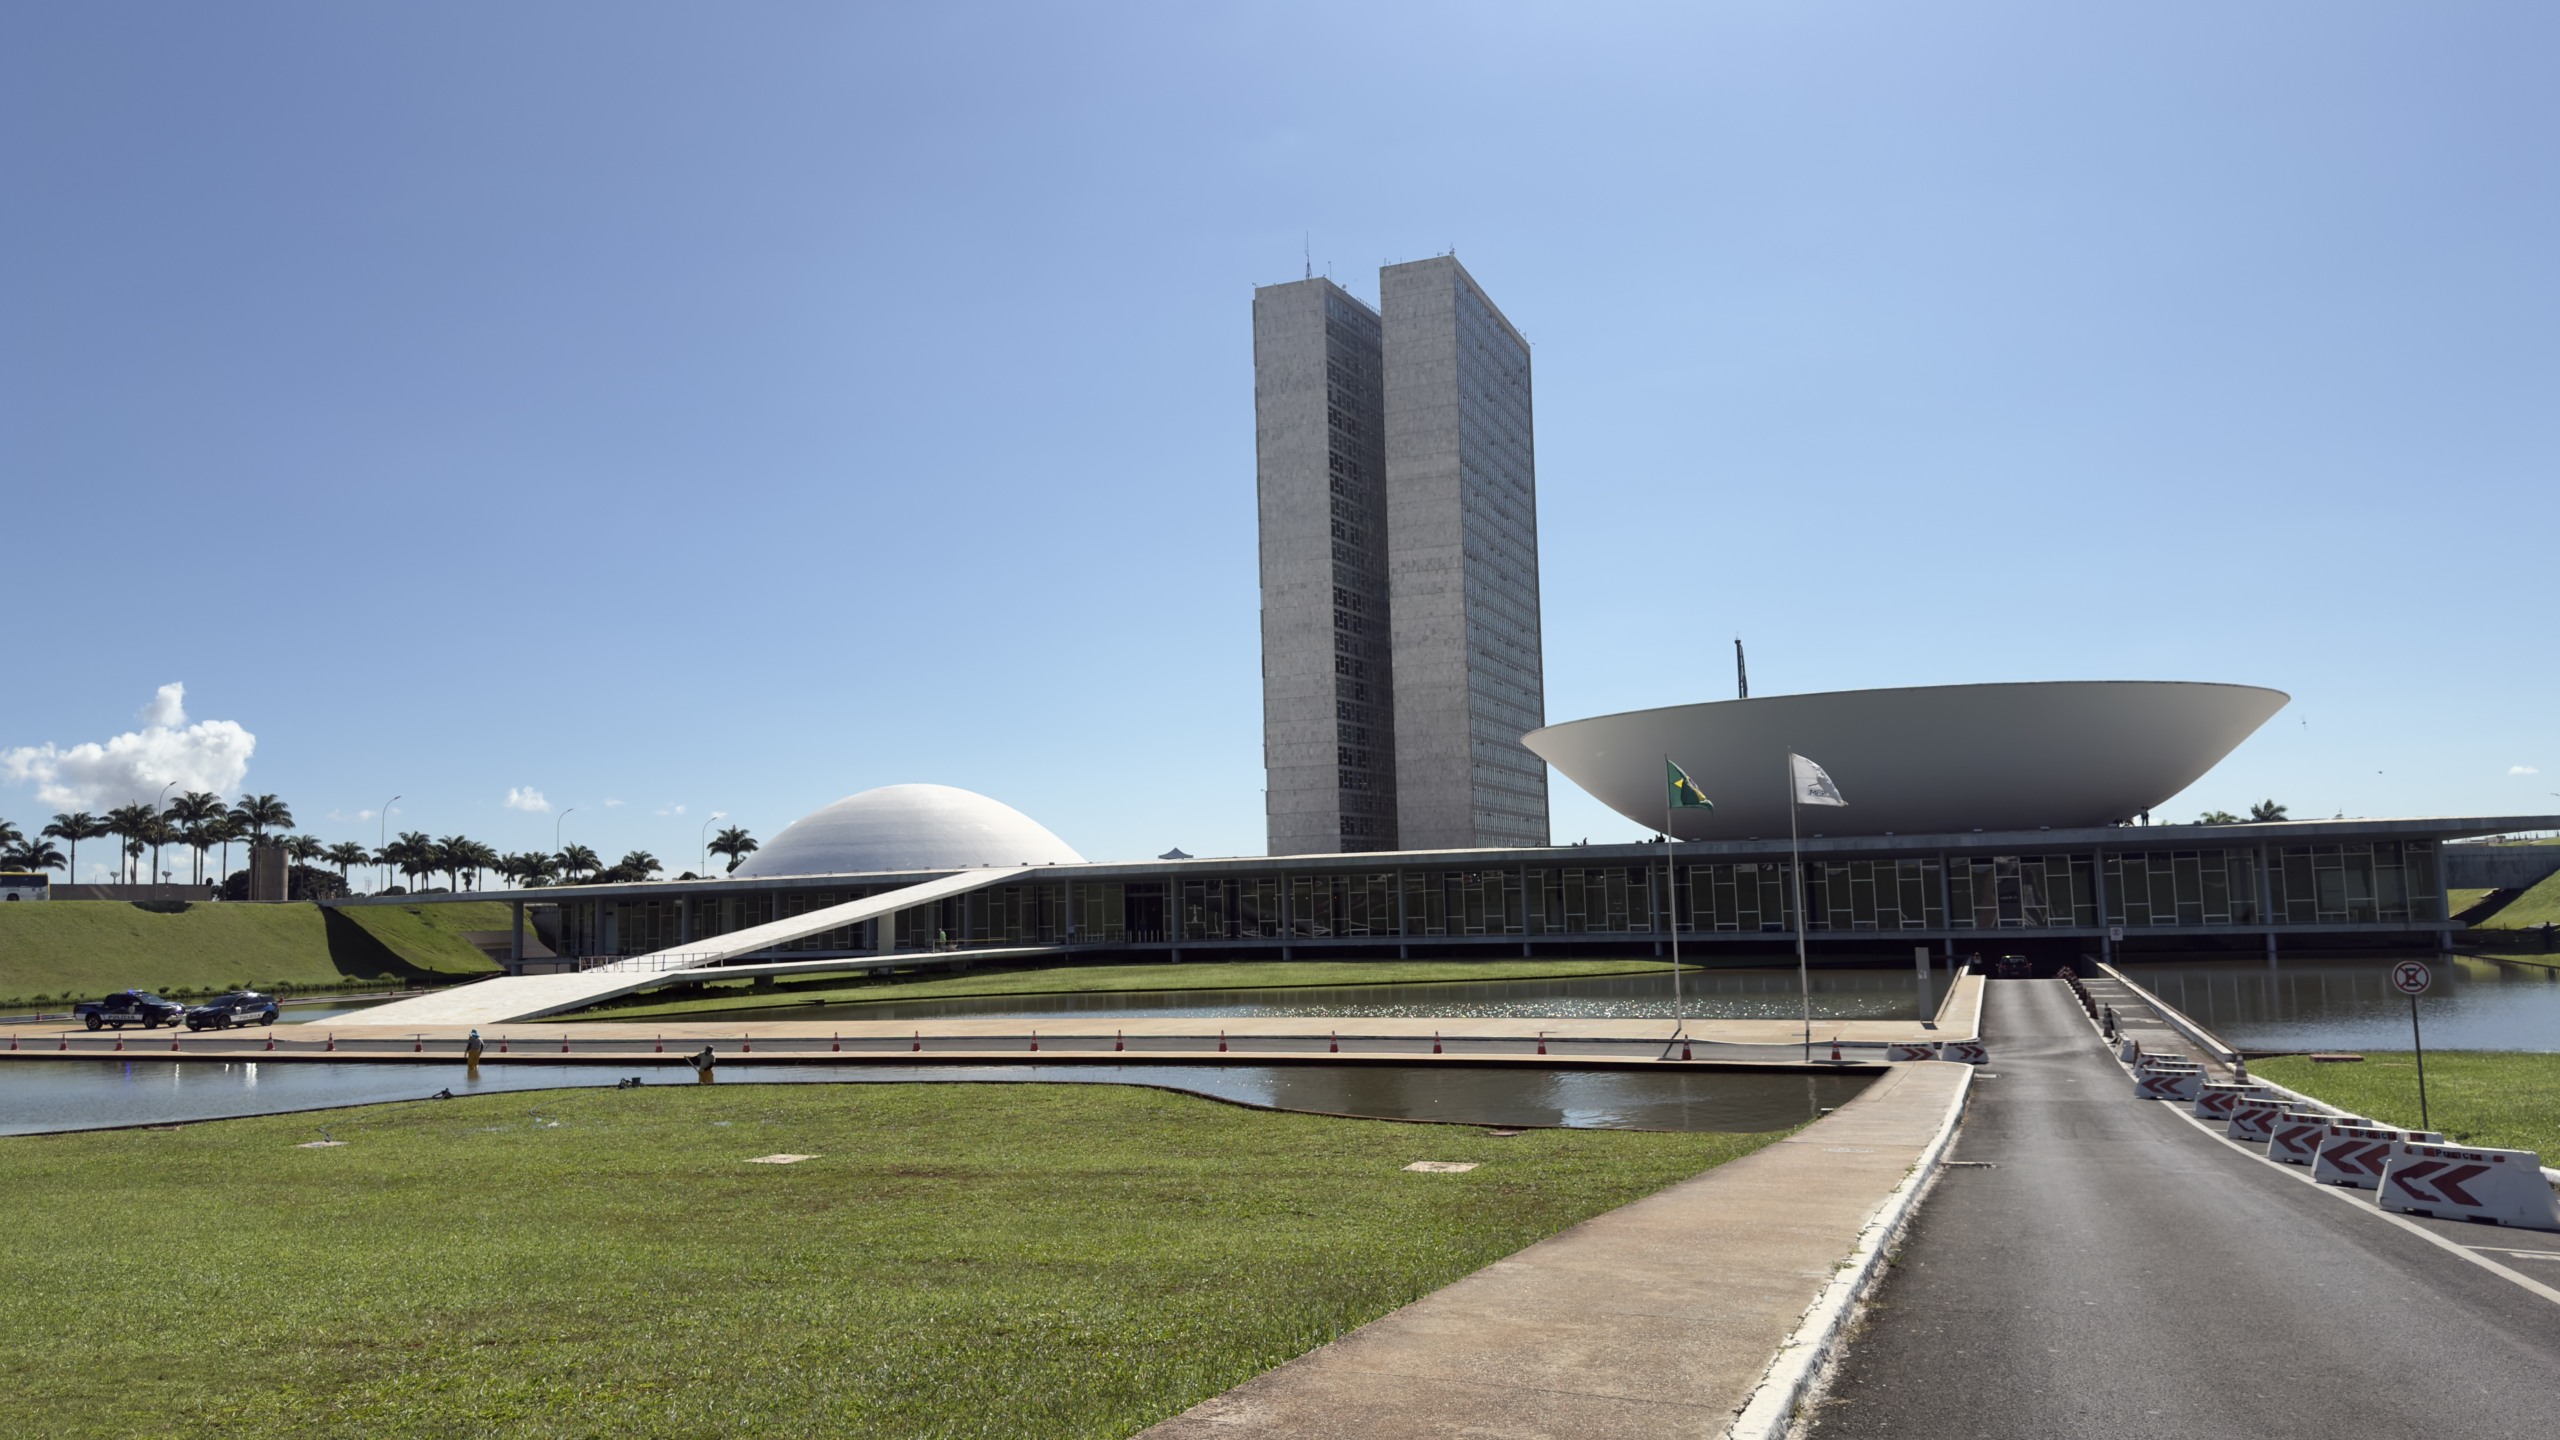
(1813, 784)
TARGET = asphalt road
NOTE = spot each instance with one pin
(2095, 1266)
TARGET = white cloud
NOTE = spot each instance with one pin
(134, 766)
(612, 804)
(672, 810)
(2523, 770)
(525, 797)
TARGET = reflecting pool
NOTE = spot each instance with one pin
(2350, 1005)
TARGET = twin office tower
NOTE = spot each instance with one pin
(1399, 517)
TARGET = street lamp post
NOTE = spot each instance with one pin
(155, 813)
(382, 842)
(702, 842)
(555, 828)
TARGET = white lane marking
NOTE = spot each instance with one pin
(2292, 1172)
(2519, 1254)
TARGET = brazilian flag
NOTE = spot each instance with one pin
(1685, 794)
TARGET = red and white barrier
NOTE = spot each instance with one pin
(1964, 1052)
(2215, 1098)
(2129, 1051)
(2504, 1187)
(2181, 1085)
(1911, 1052)
(2254, 1118)
(2354, 1155)
(2295, 1137)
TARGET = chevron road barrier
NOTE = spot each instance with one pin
(2254, 1117)
(2502, 1187)
(2356, 1155)
(2215, 1098)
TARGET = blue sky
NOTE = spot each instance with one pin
(735, 407)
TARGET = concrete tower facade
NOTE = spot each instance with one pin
(1328, 707)
(1462, 567)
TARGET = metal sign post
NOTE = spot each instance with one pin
(2411, 978)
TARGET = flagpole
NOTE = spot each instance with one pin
(1671, 893)
(1795, 850)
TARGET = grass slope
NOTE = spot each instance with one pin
(2503, 1099)
(1078, 979)
(87, 948)
(428, 938)
(961, 1260)
(2535, 907)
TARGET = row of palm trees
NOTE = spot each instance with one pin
(200, 821)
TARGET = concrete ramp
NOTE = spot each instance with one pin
(528, 997)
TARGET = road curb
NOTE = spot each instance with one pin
(1770, 1411)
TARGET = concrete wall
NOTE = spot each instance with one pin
(2499, 867)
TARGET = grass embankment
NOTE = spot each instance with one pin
(2506, 1100)
(1084, 979)
(67, 949)
(961, 1260)
(2536, 907)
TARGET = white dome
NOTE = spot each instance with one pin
(909, 827)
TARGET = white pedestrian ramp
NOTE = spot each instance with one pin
(529, 997)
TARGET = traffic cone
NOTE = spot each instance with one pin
(746, 1045)
(173, 1042)
(662, 1045)
(1684, 1050)
(1333, 1042)
(120, 1040)
(564, 1044)
(1117, 1042)
(1222, 1042)
(271, 1040)
(919, 1045)
(418, 1045)
(835, 1040)
(1035, 1039)
(1542, 1044)
(1435, 1042)
(502, 1044)
(333, 1041)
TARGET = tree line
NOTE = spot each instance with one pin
(201, 822)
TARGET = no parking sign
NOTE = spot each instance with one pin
(2411, 978)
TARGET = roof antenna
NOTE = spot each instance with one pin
(1741, 672)
(1307, 241)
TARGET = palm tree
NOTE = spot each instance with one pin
(735, 843)
(192, 810)
(222, 830)
(2265, 811)
(130, 823)
(635, 865)
(73, 828)
(534, 869)
(414, 853)
(10, 834)
(453, 854)
(2217, 817)
(346, 855)
(133, 852)
(577, 860)
(161, 833)
(257, 812)
(36, 854)
(303, 848)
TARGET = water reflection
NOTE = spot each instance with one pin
(2350, 1005)
(71, 1095)
(1705, 994)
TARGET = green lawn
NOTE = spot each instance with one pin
(2503, 1099)
(961, 1260)
(2533, 908)
(1073, 979)
(2460, 899)
(87, 948)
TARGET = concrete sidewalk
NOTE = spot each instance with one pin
(1657, 1319)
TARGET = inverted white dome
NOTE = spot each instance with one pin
(909, 827)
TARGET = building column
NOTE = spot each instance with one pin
(515, 940)
(2266, 902)
(2106, 926)
(684, 919)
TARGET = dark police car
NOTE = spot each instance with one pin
(129, 1007)
(240, 1007)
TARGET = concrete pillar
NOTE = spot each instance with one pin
(2266, 903)
(684, 919)
(515, 939)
